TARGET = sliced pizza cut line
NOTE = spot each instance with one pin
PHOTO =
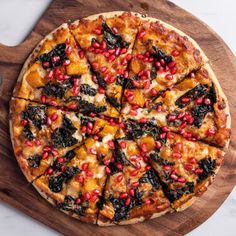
(132, 192)
(195, 108)
(107, 40)
(76, 186)
(58, 74)
(185, 168)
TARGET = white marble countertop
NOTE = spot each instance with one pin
(17, 17)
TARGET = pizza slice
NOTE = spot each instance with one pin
(185, 168)
(107, 40)
(162, 56)
(42, 134)
(75, 184)
(195, 108)
(58, 74)
(133, 192)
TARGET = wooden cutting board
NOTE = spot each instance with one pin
(14, 188)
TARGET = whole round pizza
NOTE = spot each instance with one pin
(118, 118)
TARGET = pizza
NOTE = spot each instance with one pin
(118, 118)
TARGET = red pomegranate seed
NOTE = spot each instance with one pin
(81, 54)
(80, 179)
(128, 57)
(143, 120)
(138, 165)
(153, 92)
(174, 177)
(37, 142)
(198, 171)
(140, 56)
(24, 122)
(85, 166)
(169, 76)
(47, 149)
(103, 69)
(107, 170)
(57, 71)
(131, 192)
(92, 151)
(127, 202)
(173, 70)
(87, 196)
(185, 99)
(96, 45)
(147, 201)
(60, 159)
(167, 168)
(101, 90)
(103, 45)
(115, 30)
(67, 40)
(28, 143)
(54, 116)
(144, 147)
(165, 129)
(50, 74)
(148, 167)
(89, 173)
(111, 58)
(134, 172)
(170, 135)
(117, 51)
(49, 121)
(43, 98)
(45, 64)
(55, 152)
(123, 51)
(123, 195)
(98, 31)
(119, 178)
(177, 155)
(141, 34)
(45, 155)
(78, 201)
(135, 184)
(163, 135)
(199, 100)
(68, 50)
(55, 59)
(158, 144)
(49, 170)
(192, 160)
(207, 101)
(175, 53)
(96, 191)
(171, 117)
(211, 131)
(111, 144)
(119, 166)
(122, 144)
(188, 167)
(181, 180)
(172, 64)
(95, 65)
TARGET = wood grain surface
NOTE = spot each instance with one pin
(14, 188)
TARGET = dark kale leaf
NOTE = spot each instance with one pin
(101, 81)
(159, 54)
(197, 92)
(85, 120)
(113, 40)
(212, 94)
(69, 155)
(150, 177)
(101, 201)
(86, 108)
(81, 208)
(55, 183)
(119, 156)
(153, 72)
(28, 133)
(37, 114)
(199, 112)
(208, 166)
(121, 210)
(129, 84)
(155, 156)
(34, 161)
(59, 50)
(120, 80)
(68, 203)
(177, 193)
(87, 89)
(55, 90)
(67, 123)
(113, 101)
(62, 137)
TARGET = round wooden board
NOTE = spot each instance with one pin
(14, 188)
